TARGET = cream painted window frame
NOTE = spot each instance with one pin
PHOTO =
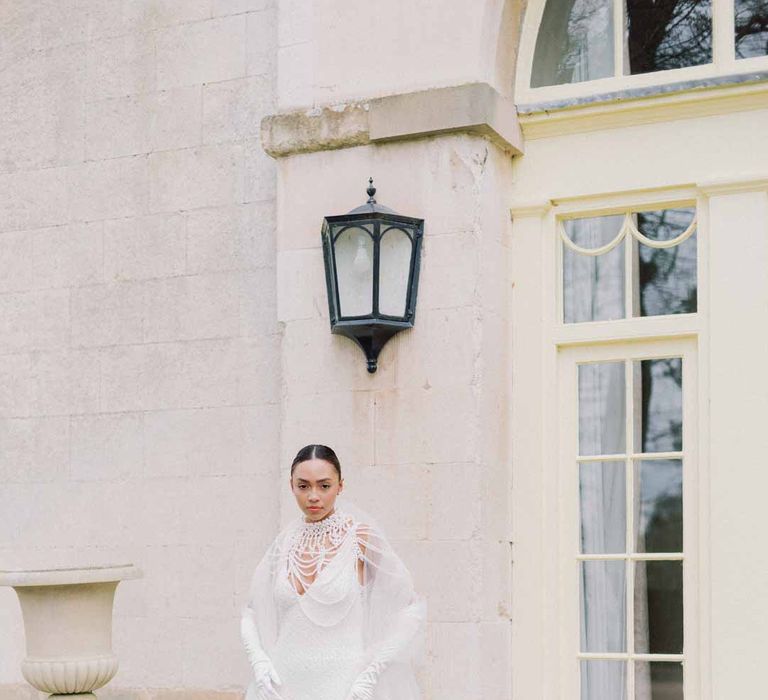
(568, 361)
(544, 559)
(628, 232)
(724, 61)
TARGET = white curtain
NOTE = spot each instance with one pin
(603, 584)
(593, 286)
(574, 43)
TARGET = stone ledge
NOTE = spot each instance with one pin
(474, 108)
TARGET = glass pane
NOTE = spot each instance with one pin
(658, 681)
(603, 680)
(395, 266)
(668, 34)
(601, 408)
(603, 507)
(659, 607)
(666, 281)
(659, 506)
(575, 42)
(751, 28)
(593, 285)
(602, 589)
(659, 406)
(354, 267)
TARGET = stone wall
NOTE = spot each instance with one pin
(424, 440)
(167, 345)
(139, 347)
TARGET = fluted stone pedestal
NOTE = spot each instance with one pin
(68, 626)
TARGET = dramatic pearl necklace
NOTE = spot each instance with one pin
(314, 545)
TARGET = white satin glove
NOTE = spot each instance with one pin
(404, 631)
(266, 680)
(365, 683)
(263, 670)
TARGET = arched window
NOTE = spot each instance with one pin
(604, 45)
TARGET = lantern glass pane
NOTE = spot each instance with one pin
(395, 250)
(354, 269)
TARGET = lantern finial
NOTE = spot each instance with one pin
(371, 191)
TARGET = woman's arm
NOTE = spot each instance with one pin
(404, 620)
(263, 670)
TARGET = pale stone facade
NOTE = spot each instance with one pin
(164, 171)
(139, 353)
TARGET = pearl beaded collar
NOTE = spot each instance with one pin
(315, 544)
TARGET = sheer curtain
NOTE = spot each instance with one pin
(603, 527)
(575, 42)
(594, 291)
(593, 285)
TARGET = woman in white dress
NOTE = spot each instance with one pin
(332, 614)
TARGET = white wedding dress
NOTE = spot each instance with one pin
(315, 662)
(331, 601)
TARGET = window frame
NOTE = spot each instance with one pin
(724, 61)
(569, 524)
(544, 590)
(630, 273)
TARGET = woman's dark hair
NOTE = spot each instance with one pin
(317, 452)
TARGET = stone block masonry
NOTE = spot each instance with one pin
(139, 344)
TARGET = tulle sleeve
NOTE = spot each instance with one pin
(260, 608)
(395, 616)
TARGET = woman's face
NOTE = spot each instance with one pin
(315, 485)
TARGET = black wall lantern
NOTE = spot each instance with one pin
(372, 258)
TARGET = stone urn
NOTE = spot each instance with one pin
(68, 625)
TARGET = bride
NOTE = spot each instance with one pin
(332, 614)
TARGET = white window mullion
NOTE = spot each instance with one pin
(628, 276)
(630, 509)
(723, 33)
(618, 38)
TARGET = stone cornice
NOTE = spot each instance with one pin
(474, 108)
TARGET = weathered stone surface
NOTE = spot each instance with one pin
(236, 7)
(16, 268)
(34, 320)
(144, 247)
(315, 130)
(106, 447)
(198, 177)
(235, 237)
(34, 449)
(233, 109)
(41, 110)
(65, 382)
(66, 256)
(475, 108)
(135, 124)
(301, 286)
(16, 385)
(121, 65)
(34, 199)
(259, 174)
(261, 49)
(192, 307)
(111, 314)
(432, 425)
(447, 642)
(109, 189)
(201, 52)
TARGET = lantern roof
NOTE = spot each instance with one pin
(372, 206)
